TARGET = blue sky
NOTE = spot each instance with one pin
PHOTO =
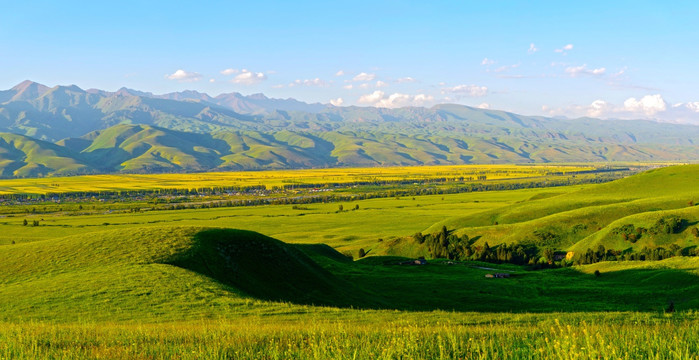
(621, 59)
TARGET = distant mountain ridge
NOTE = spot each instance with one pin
(244, 104)
(65, 130)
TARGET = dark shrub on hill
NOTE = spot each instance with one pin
(546, 237)
(419, 238)
(628, 232)
(667, 225)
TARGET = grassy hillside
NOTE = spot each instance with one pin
(163, 273)
(22, 156)
(593, 215)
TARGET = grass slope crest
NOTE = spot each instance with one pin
(114, 273)
(651, 210)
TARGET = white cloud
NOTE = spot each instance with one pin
(247, 77)
(487, 61)
(575, 71)
(483, 106)
(467, 90)
(598, 108)
(684, 113)
(380, 84)
(371, 98)
(564, 49)
(648, 105)
(229, 71)
(506, 68)
(532, 48)
(337, 102)
(364, 86)
(379, 99)
(364, 77)
(406, 79)
(348, 87)
(621, 71)
(693, 106)
(184, 76)
(309, 82)
(212, 80)
(340, 73)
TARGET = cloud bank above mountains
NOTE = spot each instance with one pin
(373, 87)
(653, 107)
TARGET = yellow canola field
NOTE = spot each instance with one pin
(277, 178)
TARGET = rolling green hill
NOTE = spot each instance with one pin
(181, 273)
(588, 218)
(22, 156)
(169, 270)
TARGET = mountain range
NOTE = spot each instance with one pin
(65, 130)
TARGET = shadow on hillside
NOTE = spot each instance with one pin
(268, 269)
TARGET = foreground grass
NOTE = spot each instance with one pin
(369, 336)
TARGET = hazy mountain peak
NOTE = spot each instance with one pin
(258, 96)
(27, 90)
(185, 95)
(72, 88)
(124, 91)
(26, 84)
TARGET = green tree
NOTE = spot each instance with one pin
(676, 250)
(601, 252)
(25, 222)
(548, 254)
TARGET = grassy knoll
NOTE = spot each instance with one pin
(585, 218)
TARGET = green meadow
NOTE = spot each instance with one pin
(288, 281)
